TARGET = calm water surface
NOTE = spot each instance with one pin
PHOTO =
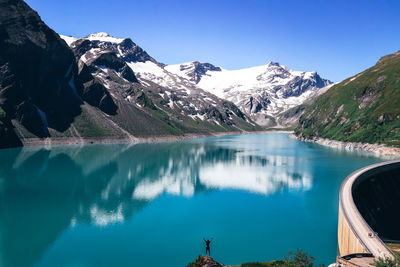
(259, 196)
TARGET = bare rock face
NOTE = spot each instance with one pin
(197, 70)
(134, 52)
(93, 90)
(97, 95)
(38, 72)
(126, 48)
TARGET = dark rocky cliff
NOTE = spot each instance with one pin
(38, 72)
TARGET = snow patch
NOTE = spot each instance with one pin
(129, 98)
(68, 39)
(103, 37)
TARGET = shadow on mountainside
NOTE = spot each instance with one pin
(38, 72)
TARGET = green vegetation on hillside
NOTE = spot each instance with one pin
(88, 126)
(293, 259)
(394, 247)
(364, 108)
(387, 262)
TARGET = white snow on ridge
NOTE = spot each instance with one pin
(147, 68)
(89, 53)
(151, 71)
(258, 91)
(275, 87)
(265, 76)
(100, 36)
(273, 84)
(104, 37)
(68, 39)
(198, 116)
(176, 69)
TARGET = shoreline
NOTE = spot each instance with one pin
(378, 150)
(48, 142)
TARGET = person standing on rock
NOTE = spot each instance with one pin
(208, 245)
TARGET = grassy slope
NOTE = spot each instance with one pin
(365, 108)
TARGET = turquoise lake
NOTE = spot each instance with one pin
(259, 196)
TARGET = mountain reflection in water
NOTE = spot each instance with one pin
(103, 184)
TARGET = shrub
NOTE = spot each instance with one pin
(387, 262)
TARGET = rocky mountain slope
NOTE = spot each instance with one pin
(49, 91)
(38, 75)
(363, 108)
(262, 92)
(127, 72)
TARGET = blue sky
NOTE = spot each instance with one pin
(336, 38)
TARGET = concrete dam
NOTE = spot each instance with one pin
(369, 214)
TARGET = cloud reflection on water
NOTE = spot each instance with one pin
(107, 180)
(106, 184)
(255, 174)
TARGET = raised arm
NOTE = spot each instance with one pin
(211, 239)
(204, 239)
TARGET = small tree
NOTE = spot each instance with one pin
(388, 262)
(300, 258)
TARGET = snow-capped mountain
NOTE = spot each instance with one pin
(262, 92)
(126, 70)
(195, 89)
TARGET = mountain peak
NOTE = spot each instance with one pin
(272, 63)
(206, 66)
(103, 37)
(194, 70)
(98, 34)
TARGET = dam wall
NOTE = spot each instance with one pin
(348, 242)
(369, 204)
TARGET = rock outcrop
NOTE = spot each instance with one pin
(205, 261)
(38, 72)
